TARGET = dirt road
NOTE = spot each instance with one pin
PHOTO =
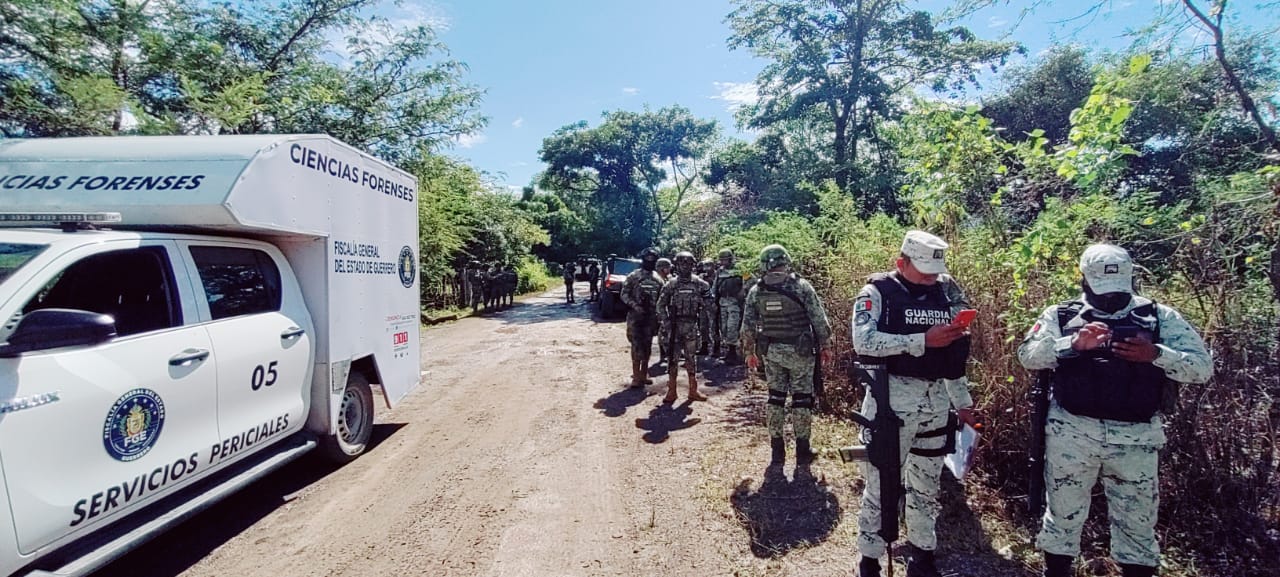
(523, 454)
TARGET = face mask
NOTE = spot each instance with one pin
(775, 277)
(649, 265)
(1109, 303)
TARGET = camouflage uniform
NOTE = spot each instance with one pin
(680, 305)
(510, 284)
(475, 285)
(708, 325)
(664, 276)
(1080, 449)
(923, 405)
(568, 282)
(728, 291)
(640, 294)
(787, 332)
(593, 280)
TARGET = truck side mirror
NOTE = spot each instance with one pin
(55, 328)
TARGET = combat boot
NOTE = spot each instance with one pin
(694, 395)
(869, 567)
(671, 387)
(1131, 570)
(1057, 565)
(777, 450)
(637, 375)
(921, 564)
(804, 454)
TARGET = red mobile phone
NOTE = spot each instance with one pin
(964, 317)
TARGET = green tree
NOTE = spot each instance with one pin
(851, 59)
(623, 165)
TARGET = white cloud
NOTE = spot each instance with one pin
(470, 140)
(518, 122)
(997, 22)
(381, 27)
(414, 13)
(736, 94)
(630, 91)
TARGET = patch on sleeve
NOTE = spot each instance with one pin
(862, 318)
(863, 305)
(1035, 329)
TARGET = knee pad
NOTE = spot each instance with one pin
(802, 401)
(777, 398)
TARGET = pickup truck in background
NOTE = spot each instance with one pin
(182, 315)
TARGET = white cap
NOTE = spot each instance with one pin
(927, 252)
(1107, 268)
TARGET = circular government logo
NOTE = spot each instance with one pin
(133, 424)
(406, 265)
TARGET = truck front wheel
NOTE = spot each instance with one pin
(355, 422)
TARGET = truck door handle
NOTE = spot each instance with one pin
(188, 356)
(292, 332)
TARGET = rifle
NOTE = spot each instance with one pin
(1035, 460)
(883, 450)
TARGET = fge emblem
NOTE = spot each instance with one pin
(133, 424)
(406, 266)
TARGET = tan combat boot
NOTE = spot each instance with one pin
(671, 386)
(694, 395)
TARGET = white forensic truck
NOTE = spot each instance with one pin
(181, 315)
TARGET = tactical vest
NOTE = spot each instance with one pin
(902, 314)
(782, 320)
(1098, 384)
(650, 286)
(685, 300)
(729, 284)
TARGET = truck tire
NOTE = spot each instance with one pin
(607, 305)
(355, 422)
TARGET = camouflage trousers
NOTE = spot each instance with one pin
(919, 478)
(640, 331)
(1076, 455)
(686, 340)
(709, 327)
(730, 321)
(789, 371)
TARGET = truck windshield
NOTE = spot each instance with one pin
(13, 256)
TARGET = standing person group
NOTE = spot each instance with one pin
(492, 286)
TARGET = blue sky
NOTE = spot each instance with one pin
(550, 63)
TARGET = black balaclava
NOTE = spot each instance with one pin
(649, 264)
(1109, 303)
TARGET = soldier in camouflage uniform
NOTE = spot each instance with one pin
(707, 325)
(510, 284)
(640, 294)
(475, 284)
(681, 303)
(567, 274)
(1104, 416)
(728, 292)
(903, 320)
(784, 315)
(664, 273)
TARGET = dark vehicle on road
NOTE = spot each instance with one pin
(614, 273)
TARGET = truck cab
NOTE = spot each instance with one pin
(148, 345)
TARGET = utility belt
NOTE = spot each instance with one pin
(802, 342)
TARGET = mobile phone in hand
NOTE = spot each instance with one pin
(964, 317)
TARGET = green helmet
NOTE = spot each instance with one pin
(664, 262)
(725, 252)
(649, 254)
(773, 256)
(685, 263)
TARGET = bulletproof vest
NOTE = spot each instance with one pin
(903, 314)
(685, 300)
(650, 286)
(1098, 384)
(781, 318)
(728, 284)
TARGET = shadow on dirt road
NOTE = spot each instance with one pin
(183, 546)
